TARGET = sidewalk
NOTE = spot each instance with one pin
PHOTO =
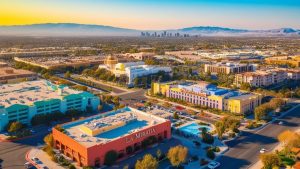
(45, 160)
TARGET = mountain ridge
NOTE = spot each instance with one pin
(74, 29)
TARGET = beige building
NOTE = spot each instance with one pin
(228, 68)
(140, 55)
(11, 75)
(261, 77)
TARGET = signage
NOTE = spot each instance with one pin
(140, 135)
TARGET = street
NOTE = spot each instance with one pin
(13, 153)
(244, 151)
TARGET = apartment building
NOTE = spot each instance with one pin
(262, 78)
(229, 68)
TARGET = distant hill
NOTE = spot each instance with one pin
(71, 29)
(66, 29)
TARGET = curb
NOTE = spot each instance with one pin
(29, 160)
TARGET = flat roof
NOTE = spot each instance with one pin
(118, 123)
(26, 93)
(9, 73)
(63, 60)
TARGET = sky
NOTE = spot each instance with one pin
(155, 14)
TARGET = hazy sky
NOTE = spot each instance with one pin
(155, 14)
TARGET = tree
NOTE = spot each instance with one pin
(175, 115)
(158, 154)
(148, 162)
(48, 139)
(289, 139)
(270, 160)
(177, 155)
(245, 86)
(110, 157)
(15, 127)
(71, 166)
(220, 128)
(67, 74)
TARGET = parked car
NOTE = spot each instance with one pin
(263, 150)
(213, 165)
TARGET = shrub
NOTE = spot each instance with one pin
(210, 154)
(71, 166)
(110, 157)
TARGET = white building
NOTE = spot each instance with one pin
(144, 70)
(22, 101)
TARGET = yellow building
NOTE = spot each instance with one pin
(243, 104)
(161, 88)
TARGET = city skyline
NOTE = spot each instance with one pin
(155, 15)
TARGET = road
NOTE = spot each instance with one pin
(13, 153)
(244, 151)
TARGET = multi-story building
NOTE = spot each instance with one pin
(229, 68)
(132, 69)
(208, 95)
(22, 101)
(11, 75)
(144, 70)
(261, 78)
(123, 131)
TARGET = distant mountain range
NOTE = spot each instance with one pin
(71, 29)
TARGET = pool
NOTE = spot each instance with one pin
(194, 129)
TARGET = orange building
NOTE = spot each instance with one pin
(88, 141)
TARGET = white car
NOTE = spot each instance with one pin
(280, 123)
(213, 165)
(263, 150)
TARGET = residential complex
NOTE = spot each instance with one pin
(267, 77)
(22, 101)
(132, 69)
(229, 68)
(208, 95)
(125, 130)
(11, 75)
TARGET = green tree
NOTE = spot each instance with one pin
(67, 74)
(110, 157)
(15, 127)
(175, 115)
(177, 155)
(148, 162)
(245, 86)
(220, 128)
(270, 160)
(48, 139)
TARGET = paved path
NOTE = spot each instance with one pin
(244, 151)
(13, 153)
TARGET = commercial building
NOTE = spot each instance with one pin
(132, 69)
(262, 78)
(284, 60)
(144, 70)
(11, 75)
(140, 55)
(229, 68)
(209, 95)
(123, 131)
(22, 101)
(56, 63)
